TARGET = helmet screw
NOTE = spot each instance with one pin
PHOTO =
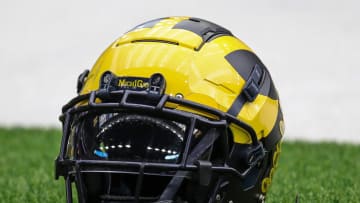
(179, 96)
(218, 197)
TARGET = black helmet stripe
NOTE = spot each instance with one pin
(244, 61)
(203, 28)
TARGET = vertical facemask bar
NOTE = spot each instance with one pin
(68, 189)
(64, 140)
(139, 183)
(188, 142)
(80, 184)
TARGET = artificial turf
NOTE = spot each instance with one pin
(315, 172)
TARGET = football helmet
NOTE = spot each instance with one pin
(176, 110)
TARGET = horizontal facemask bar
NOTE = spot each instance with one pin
(158, 106)
(101, 166)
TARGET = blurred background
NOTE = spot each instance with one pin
(310, 47)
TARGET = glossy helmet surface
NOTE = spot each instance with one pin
(175, 110)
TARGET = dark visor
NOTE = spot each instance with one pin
(130, 138)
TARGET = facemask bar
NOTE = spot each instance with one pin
(65, 167)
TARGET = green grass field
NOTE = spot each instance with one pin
(324, 172)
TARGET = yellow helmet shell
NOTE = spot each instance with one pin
(201, 62)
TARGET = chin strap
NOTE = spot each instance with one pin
(174, 185)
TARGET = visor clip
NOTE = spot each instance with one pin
(157, 84)
(205, 172)
(108, 83)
